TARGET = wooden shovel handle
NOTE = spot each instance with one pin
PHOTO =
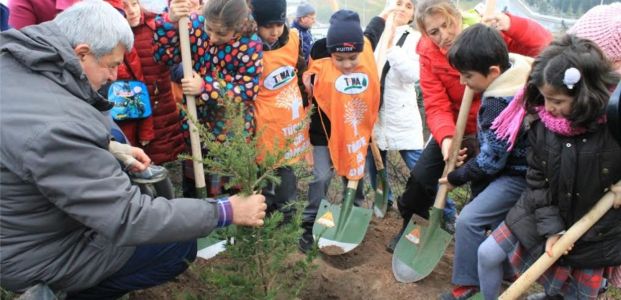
(197, 155)
(569, 238)
(377, 157)
(460, 127)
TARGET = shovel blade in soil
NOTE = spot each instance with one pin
(339, 228)
(420, 249)
(209, 247)
(380, 205)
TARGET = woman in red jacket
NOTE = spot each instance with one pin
(167, 142)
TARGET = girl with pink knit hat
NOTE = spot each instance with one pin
(602, 25)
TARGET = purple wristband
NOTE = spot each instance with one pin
(225, 212)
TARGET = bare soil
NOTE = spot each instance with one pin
(364, 273)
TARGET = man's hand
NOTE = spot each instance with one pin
(133, 158)
(617, 190)
(248, 211)
(179, 9)
(192, 86)
(142, 160)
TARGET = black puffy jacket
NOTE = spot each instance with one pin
(566, 177)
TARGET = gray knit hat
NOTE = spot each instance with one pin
(304, 10)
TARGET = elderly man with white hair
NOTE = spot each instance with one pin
(69, 216)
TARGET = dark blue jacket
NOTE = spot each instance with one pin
(306, 36)
(494, 158)
(4, 18)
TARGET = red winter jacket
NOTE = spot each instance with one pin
(31, 12)
(442, 91)
(141, 130)
(168, 142)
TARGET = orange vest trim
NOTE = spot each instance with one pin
(279, 108)
(351, 102)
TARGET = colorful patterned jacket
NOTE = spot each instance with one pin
(238, 63)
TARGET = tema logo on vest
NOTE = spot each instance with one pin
(279, 77)
(352, 84)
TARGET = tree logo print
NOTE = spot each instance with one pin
(290, 98)
(352, 84)
(354, 113)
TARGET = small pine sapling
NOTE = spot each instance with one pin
(259, 263)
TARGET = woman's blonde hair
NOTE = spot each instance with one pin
(426, 8)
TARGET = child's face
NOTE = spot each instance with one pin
(307, 21)
(218, 34)
(556, 102)
(345, 62)
(404, 12)
(132, 12)
(477, 81)
(271, 32)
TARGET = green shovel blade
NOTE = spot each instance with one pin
(420, 249)
(380, 205)
(340, 228)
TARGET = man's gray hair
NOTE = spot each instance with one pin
(97, 24)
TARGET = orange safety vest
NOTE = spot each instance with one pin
(279, 108)
(351, 102)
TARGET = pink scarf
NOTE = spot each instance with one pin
(508, 123)
(560, 126)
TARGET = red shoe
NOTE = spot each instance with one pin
(460, 292)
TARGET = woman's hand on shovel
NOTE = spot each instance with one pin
(499, 21)
(446, 149)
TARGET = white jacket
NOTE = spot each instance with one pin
(399, 125)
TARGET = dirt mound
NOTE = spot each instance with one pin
(364, 273)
